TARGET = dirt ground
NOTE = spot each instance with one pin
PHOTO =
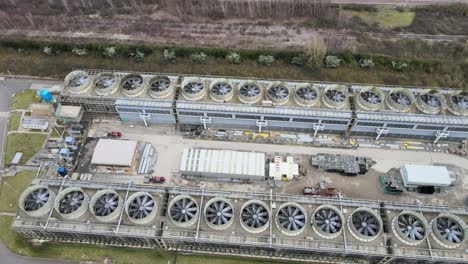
(169, 147)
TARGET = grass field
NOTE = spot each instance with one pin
(11, 189)
(22, 99)
(386, 18)
(28, 144)
(14, 122)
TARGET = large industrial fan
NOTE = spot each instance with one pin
(78, 80)
(291, 218)
(141, 206)
(306, 93)
(183, 210)
(105, 81)
(249, 90)
(221, 88)
(335, 95)
(365, 223)
(219, 213)
(36, 199)
(106, 204)
(132, 82)
(400, 98)
(254, 215)
(431, 100)
(71, 202)
(278, 92)
(328, 220)
(193, 87)
(411, 227)
(450, 230)
(160, 84)
(371, 97)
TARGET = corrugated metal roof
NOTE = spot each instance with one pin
(425, 175)
(227, 162)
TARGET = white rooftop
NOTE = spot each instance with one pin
(425, 175)
(114, 152)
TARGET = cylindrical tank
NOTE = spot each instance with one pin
(141, 208)
(78, 82)
(255, 216)
(370, 98)
(365, 224)
(106, 83)
(249, 92)
(132, 85)
(71, 203)
(193, 88)
(160, 87)
(278, 93)
(219, 213)
(183, 211)
(306, 95)
(221, 90)
(431, 102)
(458, 103)
(106, 205)
(37, 201)
(335, 96)
(400, 100)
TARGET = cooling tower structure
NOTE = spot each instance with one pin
(160, 87)
(306, 95)
(278, 93)
(221, 90)
(370, 98)
(132, 85)
(37, 201)
(106, 205)
(141, 208)
(219, 213)
(105, 84)
(78, 82)
(458, 103)
(400, 100)
(255, 216)
(71, 203)
(193, 88)
(335, 96)
(249, 92)
(448, 230)
(410, 228)
(431, 102)
(328, 221)
(183, 211)
(291, 219)
(365, 224)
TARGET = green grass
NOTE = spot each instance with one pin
(386, 18)
(11, 189)
(28, 144)
(22, 99)
(14, 123)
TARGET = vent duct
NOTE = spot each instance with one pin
(365, 224)
(132, 85)
(71, 203)
(250, 92)
(254, 216)
(183, 211)
(291, 219)
(400, 100)
(410, 228)
(335, 96)
(160, 87)
(78, 82)
(370, 98)
(328, 221)
(278, 93)
(458, 103)
(306, 95)
(37, 201)
(105, 84)
(221, 90)
(431, 102)
(106, 205)
(193, 89)
(219, 213)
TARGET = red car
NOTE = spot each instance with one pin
(114, 134)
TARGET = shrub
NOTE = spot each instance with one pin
(315, 50)
(233, 58)
(137, 55)
(332, 62)
(399, 65)
(169, 55)
(266, 60)
(366, 63)
(199, 58)
(109, 52)
(298, 60)
(80, 52)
